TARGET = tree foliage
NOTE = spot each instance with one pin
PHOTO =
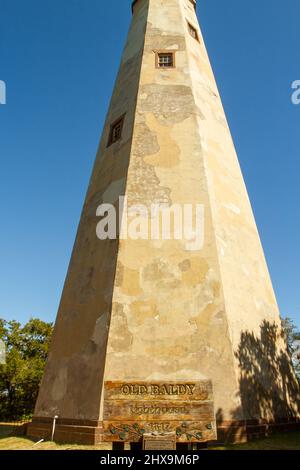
(26, 353)
(293, 342)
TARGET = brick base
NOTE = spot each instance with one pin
(91, 432)
(67, 431)
(244, 431)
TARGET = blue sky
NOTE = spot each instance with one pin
(59, 59)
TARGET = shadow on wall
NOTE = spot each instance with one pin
(268, 387)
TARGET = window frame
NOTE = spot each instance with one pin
(191, 27)
(111, 139)
(165, 52)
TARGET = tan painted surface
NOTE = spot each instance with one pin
(145, 310)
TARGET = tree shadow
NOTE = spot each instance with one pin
(268, 387)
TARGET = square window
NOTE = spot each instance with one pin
(165, 60)
(115, 133)
(193, 32)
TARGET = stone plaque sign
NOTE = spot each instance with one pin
(151, 442)
(135, 409)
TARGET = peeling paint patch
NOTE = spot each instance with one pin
(121, 337)
(168, 155)
(169, 103)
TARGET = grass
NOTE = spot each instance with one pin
(22, 443)
(14, 442)
(282, 441)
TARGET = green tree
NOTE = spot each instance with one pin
(292, 335)
(26, 353)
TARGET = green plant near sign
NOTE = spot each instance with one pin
(126, 431)
(182, 431)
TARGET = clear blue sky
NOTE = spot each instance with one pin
(59, 59)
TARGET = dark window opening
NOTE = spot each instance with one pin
(116, 131)
(193, 32)
(165, 59)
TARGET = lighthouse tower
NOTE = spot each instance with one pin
(153, 336)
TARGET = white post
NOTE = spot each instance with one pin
(53, 427)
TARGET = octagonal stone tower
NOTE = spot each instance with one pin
(148, 317)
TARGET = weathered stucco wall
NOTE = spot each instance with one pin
(71, 386)
(151, 309)
(250, 303)
(168, 318)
